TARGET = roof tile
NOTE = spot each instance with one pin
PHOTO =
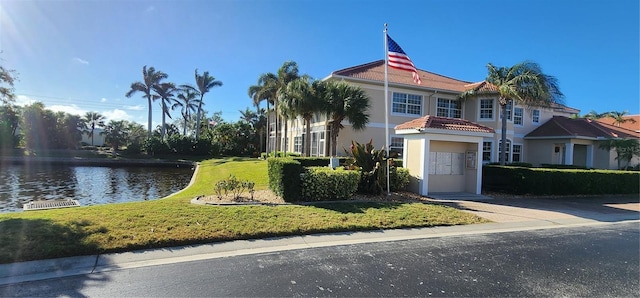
(560, 126)
(436, 122)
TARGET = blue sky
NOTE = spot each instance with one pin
(79, 56)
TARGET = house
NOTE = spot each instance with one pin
(98, 137)
(632, 122)
(530, 131)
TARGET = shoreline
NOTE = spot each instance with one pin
(96, 162)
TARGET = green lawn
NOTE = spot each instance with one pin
(174, 221)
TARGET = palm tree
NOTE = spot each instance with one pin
(166, 92)
(593, 115)
(150, 77)
(275, 86)
(305, 98)
(523, 83)
(116, 133)
(91, 120)
(188, 104)
(626, 149)
(618, 117)
(204, 84)
(258, 93)
(345, 101)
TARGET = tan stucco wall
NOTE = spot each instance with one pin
(447, 183)
(414, 160)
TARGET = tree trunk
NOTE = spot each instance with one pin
(277, 134)
(503, 137)
(307, 137)
(268, 129)
(334, 139)
(286, 142)
(150, 114)
(162, 129)
(198, 116)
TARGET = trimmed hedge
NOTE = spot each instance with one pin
(399, 179)
(284, 177)
(539, 181)
(319, 161)
(326, 184)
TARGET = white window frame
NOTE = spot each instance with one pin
(491, 109)
(405, 104)
(448, 110)
(508, 147)
(518, 117)
(535, 117)
(513, 152)
(399, 144)
(298, 144)
(509, 111)
(490, 151)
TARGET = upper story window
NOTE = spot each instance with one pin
(409, 104)
(535, 116)
(486, 108)
(509, 110)
(449, 108)
(518, 116)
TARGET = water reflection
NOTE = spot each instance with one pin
(89, 185)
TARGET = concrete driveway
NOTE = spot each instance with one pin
(560, 210)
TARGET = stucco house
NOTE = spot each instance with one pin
(533, 135)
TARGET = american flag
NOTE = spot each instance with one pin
(398, 59)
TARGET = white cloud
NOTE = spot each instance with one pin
(135, 108)
(23, 100)
(103, 100)
(80, 61)
(117, 114)
(71, 109)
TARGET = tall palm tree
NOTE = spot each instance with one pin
(305, 98)
(91, 120)
(345, 101)
(255, 92)
(150, 77)
(274, 88)
(188, 104)
(204, 84)
(166, 92)
(618, 117)
(523, 83)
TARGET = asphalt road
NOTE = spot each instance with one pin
(586, 261)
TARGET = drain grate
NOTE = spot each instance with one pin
(41, 205)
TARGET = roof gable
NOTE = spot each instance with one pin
(560, 126)
(445, 123)
(374, 71)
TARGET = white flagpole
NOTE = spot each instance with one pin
(386, 104)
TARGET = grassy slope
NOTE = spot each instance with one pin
(174, 221)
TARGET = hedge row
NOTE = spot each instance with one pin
(284, 177)
(539, 181)
(319, 161)
(325, 184)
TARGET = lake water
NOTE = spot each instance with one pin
(20, 184)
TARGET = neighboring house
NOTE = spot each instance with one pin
(632, 123)
(98, 137)
(563, 140)
(438, 96)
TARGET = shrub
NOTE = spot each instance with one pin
(373, 165)
(399, 178)
(326, 184)
(560, 166)
(233, 187)
(155, 145)
(537, 181)
(284, 177)
(320, 161)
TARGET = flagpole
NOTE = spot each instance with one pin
(386, 104)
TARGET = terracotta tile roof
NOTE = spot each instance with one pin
(635, 126)
(375, 71)
(444, 123)
(482, 87)
(560, 126)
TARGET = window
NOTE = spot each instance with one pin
(535, 116)
(486, 152)
(486, 109)
(410, 104)
(518, 114)
(449, 108)
(517, 153)
(396, 146)
(507, 150)
(509, 110)
(298, 144)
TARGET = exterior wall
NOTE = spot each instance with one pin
(447, 183)
(414, 163)
(542, 151)
(98, 137)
